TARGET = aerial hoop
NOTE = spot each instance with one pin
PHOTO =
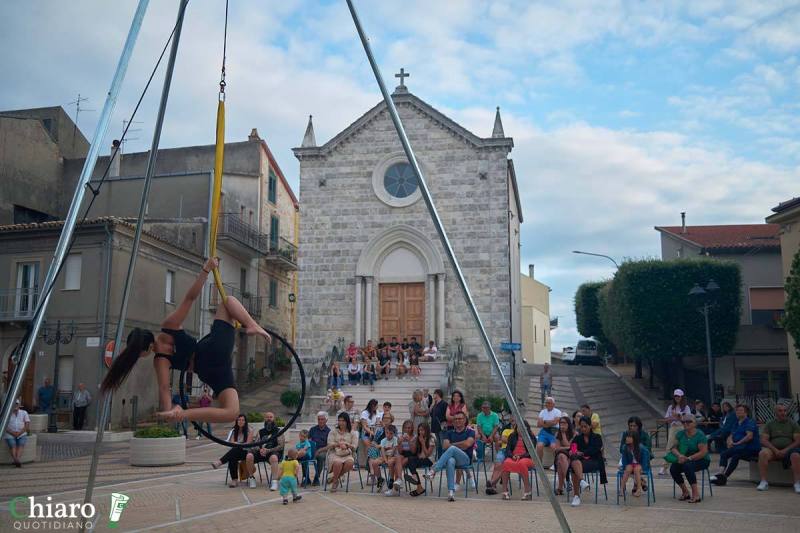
(295, 416)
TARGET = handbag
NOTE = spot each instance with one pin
(671, 458)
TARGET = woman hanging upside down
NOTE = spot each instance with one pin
(173, 348)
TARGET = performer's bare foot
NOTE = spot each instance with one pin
(255, 329)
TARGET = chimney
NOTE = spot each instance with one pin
(116, 160)
(530, 271)
(253, 135)
(683, 221)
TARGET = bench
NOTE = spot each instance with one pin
(776, 474)
(28, 454)
(38, 423)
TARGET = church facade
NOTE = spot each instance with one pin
(371, 263)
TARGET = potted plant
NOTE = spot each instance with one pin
(157, 446)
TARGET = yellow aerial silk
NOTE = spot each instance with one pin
(217, 193)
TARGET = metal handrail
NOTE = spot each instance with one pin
(232, 226)
(19, 303)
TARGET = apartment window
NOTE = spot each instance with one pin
(272, 190)
(764, 382)
(169, 293)
(766, 306)
(27, 293)
(273, 293)
(274, 232)
(72, 272)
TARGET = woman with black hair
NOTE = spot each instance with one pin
(239, 434)
(173, 348)
(342, 443)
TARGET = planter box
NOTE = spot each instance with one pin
(28, 454)
(158, 452)
(38, 423)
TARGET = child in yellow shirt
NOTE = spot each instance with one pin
(290, 473)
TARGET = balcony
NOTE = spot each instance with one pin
(251, 303)
(18, 304)
(282, 254)
(241, 237)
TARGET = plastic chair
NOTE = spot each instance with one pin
(304, 463)
(702, 483)
(347, 483)
(466, 469)
(651, 487)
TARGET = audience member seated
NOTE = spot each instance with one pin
(438, 412)
(743, 444)
(335, 377)
(688, 456)
(369, 352)
(714, 418)
(16, 435)
(780, 441)
(369, 374)
(594, 417)
(304, 455)
(418, 409)
(415, 346)
(719, 437)
(333, 400)
(561, 451)
(402, 364)
(240, 434)
(354, 372)
(351, 354)
(518, 461)
(381, 344)
(701, 416)
(576, 420)
(499, 457)
(457, 445)
(423, 448)
(385, 447)
(586, 457)
(349, 407)
(394, 347)
(405, 444)
(430, 352)
(635, 424)
(676, 411)
(342, 443)
(487, 424)
(457, 405)
(635, 459)
(548, 423)
(319, 436)
(387, 408)
(413, 365)
(271, 452)
(372, 443)
(384, 363)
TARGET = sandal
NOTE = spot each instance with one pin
(412, 480)
(559, 492)
(698, 500)
(491, 491)
(416, 492)
(527, 496)
(684, 497)
(506, 496)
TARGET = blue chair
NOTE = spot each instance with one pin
(470, 468)
(651, 487)
(346, 483)
(304, 463)
(702, 483)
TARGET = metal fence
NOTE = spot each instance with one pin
(762, 406)
(18, 304)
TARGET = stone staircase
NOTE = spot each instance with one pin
(396, 391)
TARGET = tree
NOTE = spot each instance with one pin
(586, 310)
(791, 320)
(648, 314)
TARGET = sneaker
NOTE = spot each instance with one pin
(380, 483)
(251, 482)
(451, 496)
(763, 486)
(584, 486)
(296, 498)
(553, 468)
(274, 485)
(429, 475)
(286, 501)
(197, 437)
(472, 483)
(663, 471)
(576, 501)
(397, 485)
(457, 487)
(797, 487)
(389, 492)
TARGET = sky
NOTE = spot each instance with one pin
(623, 114)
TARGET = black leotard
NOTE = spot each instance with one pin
(212, 355)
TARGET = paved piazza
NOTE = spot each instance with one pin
(194, 497)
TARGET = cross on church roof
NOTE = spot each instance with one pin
(402, 75)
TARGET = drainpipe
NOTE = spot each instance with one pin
(104, 306)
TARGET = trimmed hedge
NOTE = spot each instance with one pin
(791, 320)
(156, 432)
(498, 403)
(587, 316)
(290, 398)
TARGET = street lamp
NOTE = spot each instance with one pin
(58, 339)
(596, 255)
(292, 300)
(706, 298)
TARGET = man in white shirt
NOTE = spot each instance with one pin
(548, 422)
(430, 352)
(16, 434)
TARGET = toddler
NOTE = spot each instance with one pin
(304, 455)
(290, 472)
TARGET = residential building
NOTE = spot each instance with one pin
(759, 361)
(372, 264)
(787, 216)
(536, 325)
(87, 295)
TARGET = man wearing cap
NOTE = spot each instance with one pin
(674, 416)
(16, 434)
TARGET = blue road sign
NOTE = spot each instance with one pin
(510, 346)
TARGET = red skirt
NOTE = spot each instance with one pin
(520, 466)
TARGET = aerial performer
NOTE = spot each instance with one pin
(173, 348)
